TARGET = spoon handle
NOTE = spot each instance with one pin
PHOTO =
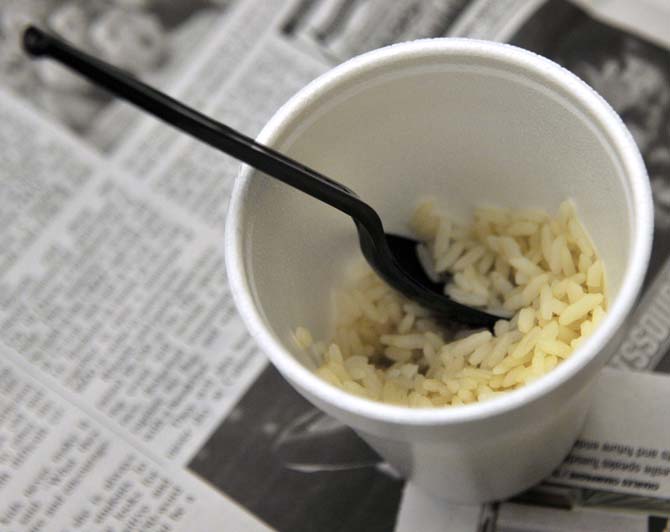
(218, 135)
(373, 241)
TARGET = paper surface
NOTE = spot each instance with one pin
(63, 469)
(95, 278)
(648, 18)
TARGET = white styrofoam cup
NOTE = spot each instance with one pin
(468, 123)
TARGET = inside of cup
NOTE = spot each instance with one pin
(464, 129)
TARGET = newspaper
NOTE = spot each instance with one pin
(63, 468)
(131, 395)
(101, 400)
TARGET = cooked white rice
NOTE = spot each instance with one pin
(543, 269)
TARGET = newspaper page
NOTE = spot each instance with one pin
(99, 393)
(115, 295)
(61, 469)
(113, 289)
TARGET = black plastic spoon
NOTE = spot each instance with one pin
(393, 257)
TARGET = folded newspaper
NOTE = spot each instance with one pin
(131, 396)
